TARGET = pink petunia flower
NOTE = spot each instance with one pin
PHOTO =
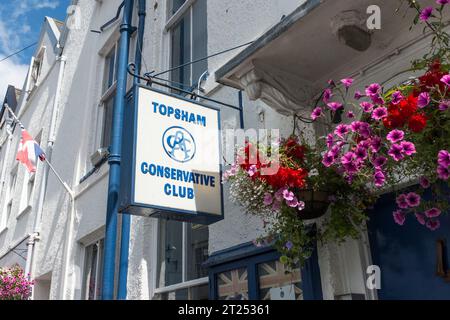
(379, 178)
(443, 172)
(366, 106)
(350, 168)
(395, 136)
(442, 2)
(413, 199)
(433, 224)
(408, 148)
(341, 130)
(379, 161)
(330, 140)
(328, 159)
(444, 105)
(361, 154)
(348, 158)
(288, 195)
(301, 205)
(335, 106)
(444, 158)
(347, 82)
(426, 13)
(335, 150)
(279, 195)
(292, 203)
(373, 90)
(317, 113)
(350, 115)
(252, 170)
(358, 95)
(377, 99)
(396, 152)
(327, 94)
(268, 199)
(420, 218)
(423, 100)
(424, 182)
(401, 201)
(376, 144)
(397, 97)
(446, 79)
(356, 126)
(433, 213)
(276, 206)
(379, 113)
(399, 217)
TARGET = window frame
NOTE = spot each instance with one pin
(172, 22)
(184, 284)
(86, 268)
(35, 70)
(9, 198)
(251, 259)
(107, 94)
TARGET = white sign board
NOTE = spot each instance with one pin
(177, 156)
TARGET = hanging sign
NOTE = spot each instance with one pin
(171, 166)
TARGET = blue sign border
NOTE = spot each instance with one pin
(127, 204)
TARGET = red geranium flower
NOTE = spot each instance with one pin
(295, 150)
(431, 78)
(417, 123)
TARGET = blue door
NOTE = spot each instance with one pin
(413, 260)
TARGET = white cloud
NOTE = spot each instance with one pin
(25, 6)
(13, 38)
(11, 73)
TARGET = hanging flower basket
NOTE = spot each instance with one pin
(386, 136)
(316, 204)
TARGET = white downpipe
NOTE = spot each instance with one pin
(66, 294)
(43, 188)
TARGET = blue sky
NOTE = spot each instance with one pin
(20, 24)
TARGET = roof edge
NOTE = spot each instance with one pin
(272, 34)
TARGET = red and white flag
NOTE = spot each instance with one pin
(29, 152)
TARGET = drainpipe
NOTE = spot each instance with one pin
(126, 218)
(48, 152)
(114, 157)
(65, 294)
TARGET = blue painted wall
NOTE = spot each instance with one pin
(406, 255)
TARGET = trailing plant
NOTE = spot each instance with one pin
(14, 285)
(379, 140)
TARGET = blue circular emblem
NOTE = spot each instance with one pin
(179, 144)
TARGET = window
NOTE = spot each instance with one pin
(36, 69)
(108, 95)
(28, 188)
(273, 283)
(188, 41)
(92, 276)
(9, 199)
(182, 250)
(249, 273)
(108, 106)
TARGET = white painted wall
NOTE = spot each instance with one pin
(230, 23)
(34, 110)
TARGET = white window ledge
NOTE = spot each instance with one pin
(23, 212)
(183, 285)
(3, 230)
